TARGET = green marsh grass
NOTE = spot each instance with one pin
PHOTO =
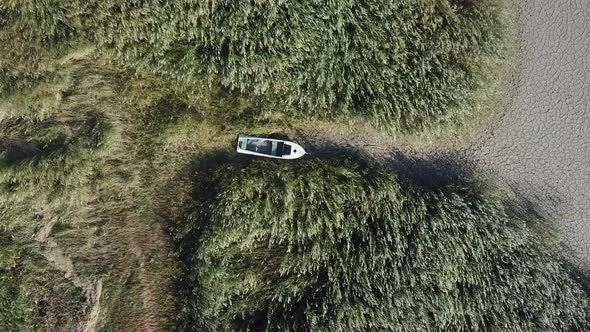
(401, 65)
(342, 244)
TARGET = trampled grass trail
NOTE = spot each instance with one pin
(139, 240)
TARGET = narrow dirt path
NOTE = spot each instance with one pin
(139, 242)
(89, 325)
(151, 280)
(60, 261)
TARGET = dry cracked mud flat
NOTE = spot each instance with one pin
(541, 144)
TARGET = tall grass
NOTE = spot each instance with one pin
(405, 65)
(342, 245)
(35, 36)
(32, 33)
(402, 65)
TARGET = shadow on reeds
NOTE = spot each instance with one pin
(440, 170)
(23, 140)
(432, 172)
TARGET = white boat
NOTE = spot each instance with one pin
(269, 147)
